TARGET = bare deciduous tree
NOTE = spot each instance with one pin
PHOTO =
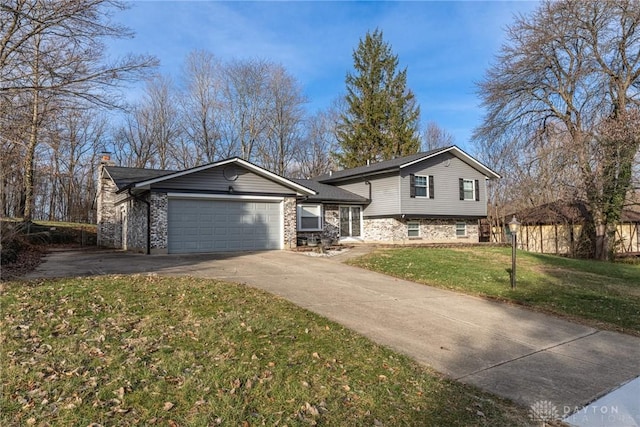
(285, 117)
(151, 134)
(159, 105)
(436, 137)
(568, 68)
(12, 129)
(52, 55)
(245, 106)
(313, 157)
(201, 105)
(71, 160)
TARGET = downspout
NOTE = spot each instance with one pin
(148, 203)
(366, 182)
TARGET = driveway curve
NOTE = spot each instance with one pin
(515, 353)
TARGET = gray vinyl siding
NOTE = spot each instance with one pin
(446, 170)
(385, 199)
(357, 186)
(213, 180)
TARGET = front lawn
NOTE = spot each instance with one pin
(605, 295)
(142, 350)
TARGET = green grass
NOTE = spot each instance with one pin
(45, 233)
(63, 224)
(142, 350)
(603, 294)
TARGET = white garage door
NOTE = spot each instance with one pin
(197, 225)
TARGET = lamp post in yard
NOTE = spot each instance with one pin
(514, 224)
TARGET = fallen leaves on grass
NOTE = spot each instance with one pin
(26, 261)
(145, 350)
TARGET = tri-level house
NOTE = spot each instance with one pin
(234, 205)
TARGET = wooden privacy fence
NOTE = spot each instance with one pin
(565, 239)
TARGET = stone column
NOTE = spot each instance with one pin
(159, 223)
(108, 228)
(290, 219)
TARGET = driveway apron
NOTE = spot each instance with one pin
(518, 354)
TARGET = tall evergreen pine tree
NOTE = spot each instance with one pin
(381, 121)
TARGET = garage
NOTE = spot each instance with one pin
(227, 206)
(205, 225)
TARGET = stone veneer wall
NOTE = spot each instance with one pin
(331, 222)
(391, 230)
(107, 216)
(136, 226)
(384, 230)
(290, 219)
(159, 222)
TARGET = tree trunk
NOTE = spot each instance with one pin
(29, 160)
(601, 242)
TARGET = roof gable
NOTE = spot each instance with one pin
(402, 162)
(143, 179)
(124, 177)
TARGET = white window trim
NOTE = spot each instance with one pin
(411, 223)
(473, 189)
(426, 186)
(299, 216)
(351, 238)
(465, 230)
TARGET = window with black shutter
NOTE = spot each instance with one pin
(431, 188)
(477, 188)
(468, 189)
(412, 185)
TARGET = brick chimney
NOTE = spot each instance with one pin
(105, 159)
(105, 204)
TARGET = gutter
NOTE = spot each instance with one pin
(148, 203)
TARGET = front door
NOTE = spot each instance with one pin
(350, 224)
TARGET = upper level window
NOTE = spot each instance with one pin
(309, 217)
(469, 189)
(421, 186)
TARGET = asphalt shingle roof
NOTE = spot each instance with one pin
(377, 167)
(330, 193)
(124, 177)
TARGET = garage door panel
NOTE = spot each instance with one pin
(223, 225)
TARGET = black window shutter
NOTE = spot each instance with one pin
(431, 193)
(412, 185)
(477, 184)
(461, 188)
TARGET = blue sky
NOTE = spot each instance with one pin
(446, 46)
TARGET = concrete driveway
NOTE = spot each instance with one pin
(515, 353)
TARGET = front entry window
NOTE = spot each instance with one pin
(350, 221)
(309, 217)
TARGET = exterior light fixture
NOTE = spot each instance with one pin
(514, 225)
